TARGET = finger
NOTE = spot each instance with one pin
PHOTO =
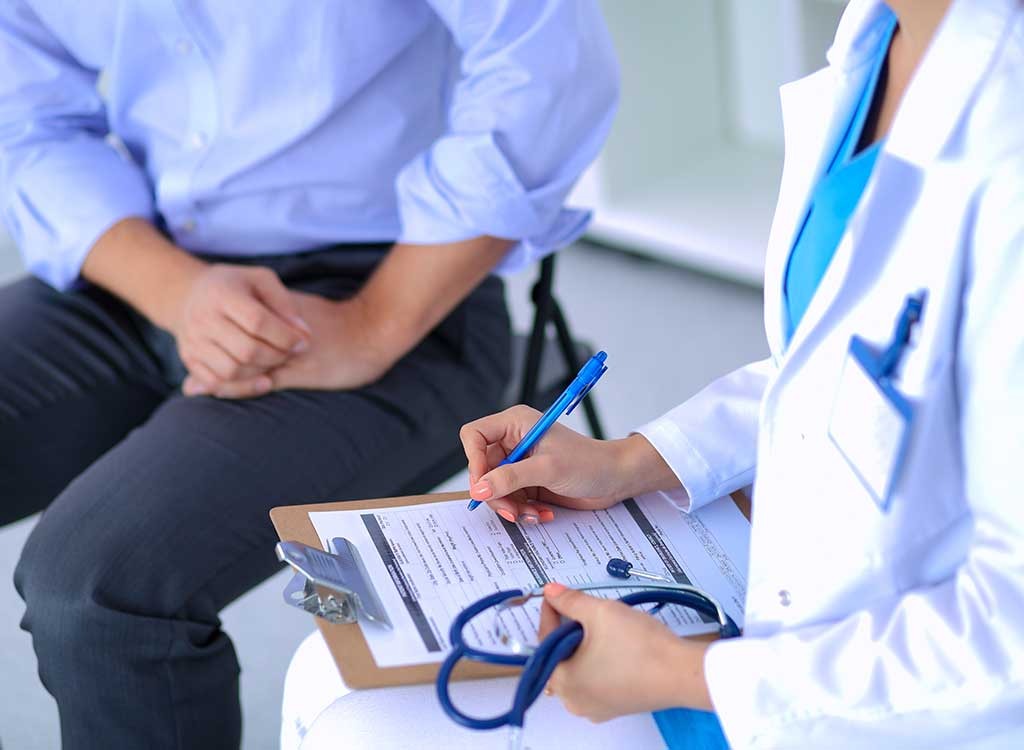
(477, 451)
(502, 481)
(204, 379)
(276, 296)
(194, 385)
(505, 428)
(549, 620)
(216, 360)
(290, 375)
(249, 388)
(569, 602)
(519, 508)
(246, 347)
(260, 322)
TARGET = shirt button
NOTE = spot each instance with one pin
(183, 46)
(189, 225)
(198, 140)
(784, 598)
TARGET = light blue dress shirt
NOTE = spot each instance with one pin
(274, 127)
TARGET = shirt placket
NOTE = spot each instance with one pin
(176, 189)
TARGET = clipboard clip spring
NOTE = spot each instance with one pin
(331, 585)
(302, 593)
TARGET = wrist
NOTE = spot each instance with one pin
(166, 306)
(381, 342)
(683, 682)
(640, 468)
(145, 269)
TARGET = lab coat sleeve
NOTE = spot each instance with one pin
(710, 441)
(62, 184)
(532, 107)
(941, 665)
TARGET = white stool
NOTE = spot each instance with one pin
(320, 713)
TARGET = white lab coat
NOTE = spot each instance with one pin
(863, 628)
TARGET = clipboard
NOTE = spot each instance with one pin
(345, 641)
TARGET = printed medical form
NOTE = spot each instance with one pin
(429, 561)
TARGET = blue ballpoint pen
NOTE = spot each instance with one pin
(571, 397)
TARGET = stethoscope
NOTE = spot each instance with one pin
(538, 664)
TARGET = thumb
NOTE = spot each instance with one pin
(569, 602)
(504, 480)
(272, 292)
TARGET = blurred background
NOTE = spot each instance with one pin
(668, 281)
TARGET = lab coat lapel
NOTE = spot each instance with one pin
(815, 111)
(925, 123)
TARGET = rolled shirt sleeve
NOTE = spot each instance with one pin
(710, 441)
(533, 105)
(62, 183)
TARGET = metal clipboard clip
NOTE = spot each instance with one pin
(333, 586)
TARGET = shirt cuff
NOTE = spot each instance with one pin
(66, 202)
(735, 670)
(698, 483)
(463, 187)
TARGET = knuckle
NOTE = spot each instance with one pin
(248, 349)
(255, 318)
(519, 411)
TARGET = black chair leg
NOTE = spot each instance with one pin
(542, 301)
(547, 310)
(573, 364)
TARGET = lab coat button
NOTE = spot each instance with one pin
(198, 140)
(183, 46)
(189, 225)
(784, 598)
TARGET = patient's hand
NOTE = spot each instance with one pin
(566, 468)
(342, 352)
(234, 325)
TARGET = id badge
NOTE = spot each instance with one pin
(871, 421)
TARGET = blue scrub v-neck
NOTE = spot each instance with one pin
(832, 203)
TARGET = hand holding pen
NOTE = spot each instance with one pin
(565, 468)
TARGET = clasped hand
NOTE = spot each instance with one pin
(242, 333)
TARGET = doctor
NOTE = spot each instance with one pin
(883, 437)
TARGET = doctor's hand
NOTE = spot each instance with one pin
(566, 468)
(628, 662)
(233, 325)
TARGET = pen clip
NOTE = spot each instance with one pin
(586, 390)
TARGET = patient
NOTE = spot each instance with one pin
(261, 247)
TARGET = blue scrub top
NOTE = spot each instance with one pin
(833, 201)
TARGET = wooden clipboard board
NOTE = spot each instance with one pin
(346, 642)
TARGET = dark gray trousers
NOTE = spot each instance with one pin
(156, 505)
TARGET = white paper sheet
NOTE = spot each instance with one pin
(428, 562)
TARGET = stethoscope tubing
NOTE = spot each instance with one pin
(558, 646)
